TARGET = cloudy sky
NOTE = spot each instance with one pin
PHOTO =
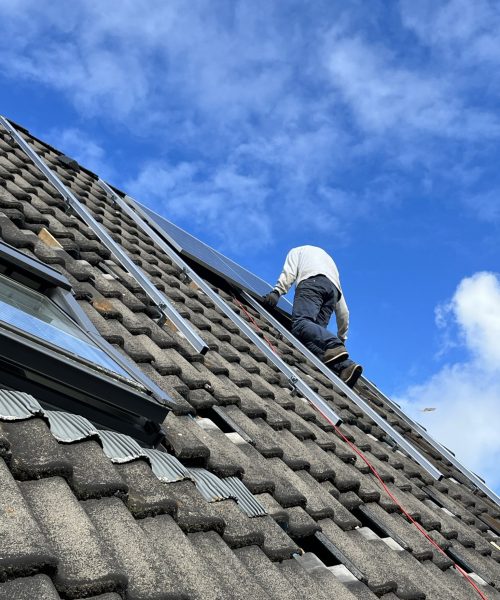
(259, 126)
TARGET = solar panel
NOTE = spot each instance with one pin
(194, 249)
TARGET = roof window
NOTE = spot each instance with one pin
(49, 348)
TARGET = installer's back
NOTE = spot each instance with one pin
(304, 262)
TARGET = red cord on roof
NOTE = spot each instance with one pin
(376, 473)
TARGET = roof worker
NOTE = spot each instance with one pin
(317, 294)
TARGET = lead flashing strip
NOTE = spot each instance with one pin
(17, 406)
(246, 500)
(166, 467)
(120, 448)
(69, 428)
(210, 486)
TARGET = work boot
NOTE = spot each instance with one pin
(351, 374)
(335, 355)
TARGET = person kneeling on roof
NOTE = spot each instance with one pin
(317, 294)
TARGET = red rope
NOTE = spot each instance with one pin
(377, 475)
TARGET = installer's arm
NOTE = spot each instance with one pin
(285, 280)
(342, 317)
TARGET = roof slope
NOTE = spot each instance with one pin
(77, 522)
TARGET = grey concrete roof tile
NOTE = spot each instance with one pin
(194, 513)
(429, 518)
(183, 439)
(133, 553)
(452, 505)
(39, 587)
(373, 558)
(93, 474)
(466, 535)
(221, 460)
(346, 476)
(4, 444)
(285, 490)
(277, 407)
(201, 399)
(277, 545)
(274, 509)
(403, 532)
(236, 373)
(300, 524)
(24, 550)
(229, 569)
(256, 475)
(451, 582)
(191, 374)
(84, 564)
(351, 501)
(185, 564)
(250, 404)
(267, 573)
(35, 452)
(240, 530)
(217, 365)
(321, 467)
(305, 585)
(325, 578)
(146, 496)
(222, 388)
(320, 503)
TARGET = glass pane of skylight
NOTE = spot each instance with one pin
(37, 315)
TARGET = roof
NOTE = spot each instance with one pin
(81, 517)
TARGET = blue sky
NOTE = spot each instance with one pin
(258, 126)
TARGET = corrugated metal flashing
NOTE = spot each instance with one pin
(166, 467)
(246, 500)
(210, 486)
(69, 428)
(16, 406)
(120, 448)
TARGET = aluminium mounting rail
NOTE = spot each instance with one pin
(157, 297)
(479, 483)
(341, 386)
(130, 207)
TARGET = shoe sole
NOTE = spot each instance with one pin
(354, 376)
(337, 359)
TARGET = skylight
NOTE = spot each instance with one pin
(32, 313)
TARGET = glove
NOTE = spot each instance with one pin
(271, 299)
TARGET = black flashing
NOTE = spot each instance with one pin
(27, 270)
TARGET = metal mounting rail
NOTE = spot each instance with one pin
(436, 445)
(130, 207)
(340, 385)
(159, 299)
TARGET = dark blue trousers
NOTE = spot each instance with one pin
(314, 302)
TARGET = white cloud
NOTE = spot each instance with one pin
(467, 32)
(229, 205)
(466, 394)
(387, 97)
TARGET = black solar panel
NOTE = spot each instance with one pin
(193, 248)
